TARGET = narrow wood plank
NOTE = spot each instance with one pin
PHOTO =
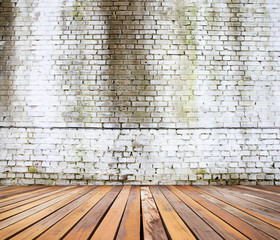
(47, 222)
(270, 215)
(173, 223)
(263, 226)
(88, 224)
(130, 224)
(221, 227)
(261, 193)
(260, 200)
(38, 196)
(62, 227)
(271, 188)
(27, 206)
(13, 189)
(18, 201)
(109, 226)
(153, 228)
(20, 195)
(27, 190)
(200, 228)
(22, 221)
(235, 222)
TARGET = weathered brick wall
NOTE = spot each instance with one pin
(148, 91)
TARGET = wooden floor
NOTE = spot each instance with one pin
(133, 212)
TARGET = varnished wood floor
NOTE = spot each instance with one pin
(133, 212)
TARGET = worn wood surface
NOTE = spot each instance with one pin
(134, 212)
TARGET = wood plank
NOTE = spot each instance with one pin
(88, 224)
(273, 196)
(247, 202)
(221, 227)
(153, 228)
(263, 226)
(12, 189)
(22, 221)
(271, 188)
(173, 223)
(130, 224)
(27, 206)
(29, 196)
(201, 229)
(108, 228)
(235, 222)
(47, 222)
(229, 201)
(63, 226)
(19, 195)
(38, 196)
(27, 190)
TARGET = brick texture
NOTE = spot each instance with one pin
(148, 91)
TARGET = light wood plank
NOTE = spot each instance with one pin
(32, 204)
(235, 222)
(23, 220)
(47, 222)
(221, 227)
(88, 224)
(153, 228)
(200, 228)
(247, 207)
(109, 226)
(263, 226)
(62, 227)
(25, 199)
(173, 223)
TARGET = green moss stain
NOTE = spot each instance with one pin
(186, 21)
(201, 171)
(32, 170)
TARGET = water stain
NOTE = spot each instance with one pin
(7, 58)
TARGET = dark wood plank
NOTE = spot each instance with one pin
(200, 228)
(108, 227)
(61, 228)
(173, 223)
(130, 224)
(263, 226)
(88, 224)
(153, 228)
(23, 220)
(235, 202)
(221, 227)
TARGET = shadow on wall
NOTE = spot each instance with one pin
(7, 58)
(126, 80)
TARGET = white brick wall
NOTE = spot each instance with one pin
(144, 91)
(91, 156)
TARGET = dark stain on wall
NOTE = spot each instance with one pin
(127, 78)
(7, 50)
